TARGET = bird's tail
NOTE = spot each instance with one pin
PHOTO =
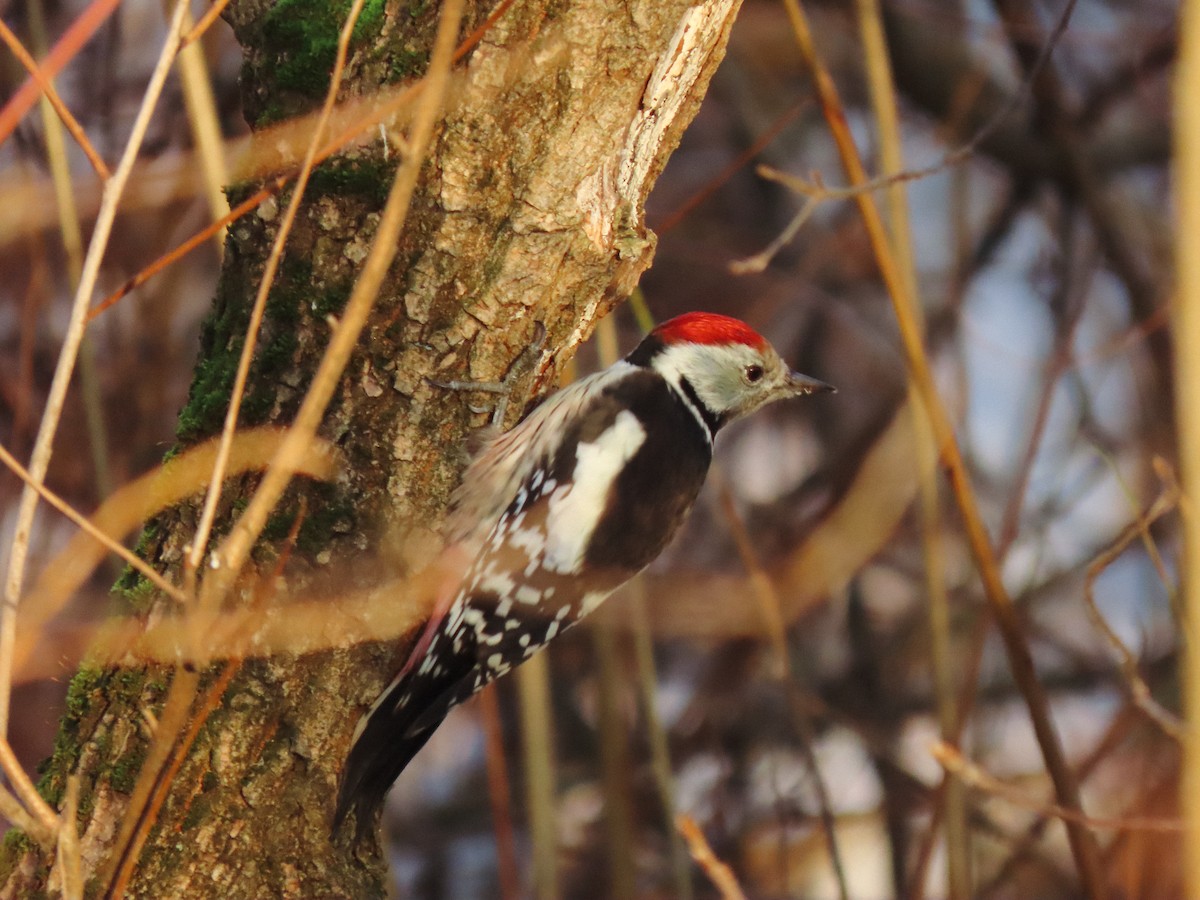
(398, 726)
(381, 752)
(394, 730)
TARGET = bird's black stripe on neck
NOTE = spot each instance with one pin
(707, 417)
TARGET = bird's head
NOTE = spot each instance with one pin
(728, 366)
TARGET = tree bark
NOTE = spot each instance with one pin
(530, 210)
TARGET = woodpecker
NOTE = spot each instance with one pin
(559, 512)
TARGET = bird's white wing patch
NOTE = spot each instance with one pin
(508, 461)
(575, 508)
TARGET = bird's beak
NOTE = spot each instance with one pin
(799, 385)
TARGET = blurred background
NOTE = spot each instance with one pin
(793, 711)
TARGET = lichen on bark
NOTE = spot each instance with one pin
(529, 212)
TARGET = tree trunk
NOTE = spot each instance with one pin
(530, 210)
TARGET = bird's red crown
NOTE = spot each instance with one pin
(707, 328)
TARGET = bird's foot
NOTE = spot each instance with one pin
(502, 388)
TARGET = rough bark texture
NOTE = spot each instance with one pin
(530, 210)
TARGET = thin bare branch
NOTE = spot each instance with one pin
(718, 872)
(817, 193)
(1139, 691)
(979, 779)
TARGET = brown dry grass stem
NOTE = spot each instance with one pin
(199, 544)
(72, 237)
(656, 733)
(953, 808)
(70, 863)
(1187, 410)
(46, 86)
(1083, 846)
(43, 821)
(615, 764)
(718, 872)
(120, 515)
(108, 542)
(979, 779)
(68, 46)
(541, 773)
(763, 588)
(43, 445)
(955, 717)
(205, 125)
(891, 156)
(499, 794)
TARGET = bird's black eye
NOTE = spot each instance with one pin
(754, 373)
